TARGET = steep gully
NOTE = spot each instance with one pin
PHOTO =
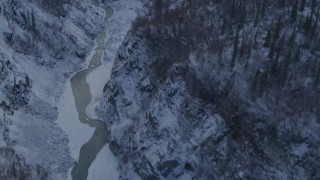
(82, 98)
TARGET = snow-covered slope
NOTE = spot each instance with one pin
(155, 128)
(41, 45)
(217, 90)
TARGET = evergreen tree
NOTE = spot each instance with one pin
(297, 55)
(281, 3)
(27, 79)
(263, 81)
(268, 39)
(255, 41)
(233, 9)
(294, 11)
(308, 23)
(277, 30)
(315, 25)
(256, 21)
(158, 7)
(243, 12)
(235, 48)
(275, 62)
(292, 38)
(263, 9)
(287, 61)
(285, 67)
(242, 48)
(255, 81)
(280, 43)
(317, 79)
(33, 23)
(302, 5)
(275, 65)
(313, 5)
(249, 50)
(223, 27)
(271, 50)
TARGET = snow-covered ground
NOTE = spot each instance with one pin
(105, 166)
(125, 11)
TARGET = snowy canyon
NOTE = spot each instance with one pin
(159, 89)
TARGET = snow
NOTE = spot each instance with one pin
(2, 143)
(96, 80)
(166, 118)
(105, 166)
(125, 12)
(41, 141)
(4, 25)
(68, 120)
(44, 82)
(300, 149)
(185, 177)
(145, 83)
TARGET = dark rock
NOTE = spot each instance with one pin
(145, 85)
(81, 55)
(168, 167)
(188, 166)
(115, 148)
(8, 37)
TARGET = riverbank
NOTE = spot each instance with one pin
(79, 133)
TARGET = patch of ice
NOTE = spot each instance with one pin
(68, 120)
(96, 80)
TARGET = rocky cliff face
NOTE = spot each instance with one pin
(155, 125)
(207, 90)
(41, 44)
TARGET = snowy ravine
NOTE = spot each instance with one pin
(86, 151)
(82, 134)
(41, 45)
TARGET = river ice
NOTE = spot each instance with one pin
(105, 165)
